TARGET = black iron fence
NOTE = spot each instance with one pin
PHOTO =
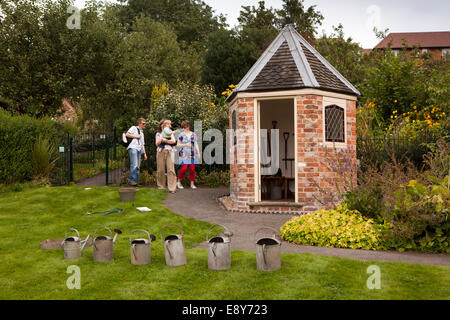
(100, 155)
(90, 154)
(373, 151)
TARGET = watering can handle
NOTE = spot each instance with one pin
(84, 242)
(213, 249)
(166, 246)
(140, 230)
(264, 251)
(78, 234)
(182, 232)
(93, 237)
(268, 228)
(214, 225)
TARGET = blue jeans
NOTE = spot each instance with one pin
(135, 163)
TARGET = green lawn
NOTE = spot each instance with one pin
(32, 215)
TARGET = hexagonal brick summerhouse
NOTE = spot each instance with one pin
(290, 112)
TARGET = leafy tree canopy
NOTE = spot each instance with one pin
(230, 54)
(343, 54)
(192, 20)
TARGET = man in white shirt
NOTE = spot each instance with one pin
(136, 148)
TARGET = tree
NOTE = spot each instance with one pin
(258, 27)
(395, 84)
(230, 54)
(260, 17)
(109, 70)
(192, 20)
(33, 68)
(343, 54)
(228, 58)
(188, 101)
(146, 56)
(305, 20)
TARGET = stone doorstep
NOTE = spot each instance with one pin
(227, 204)
(275, 204)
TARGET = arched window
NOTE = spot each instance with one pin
(334, 124)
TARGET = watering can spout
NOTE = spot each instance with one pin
(228, 233)
(83, 243)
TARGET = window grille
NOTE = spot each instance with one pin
(334, 124)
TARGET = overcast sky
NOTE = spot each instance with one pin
(358, 16)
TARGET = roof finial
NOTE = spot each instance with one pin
(288, 20)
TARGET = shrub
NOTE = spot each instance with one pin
(415, 202)
(17, 137)
(419, 215)
(189, 101)
(146, 178)
(19, 187)
(81, 173)
(366, 199)
(399, 83)
(43, 157)
(212, 179)
(338, 228)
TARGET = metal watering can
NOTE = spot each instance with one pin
(174, 251)
(268, 251)
(104, 246)
(219, 250)
(140, 248)
(73, 246)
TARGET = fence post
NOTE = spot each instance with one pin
(93, 148)
(106, 159)
(70, 160)
(114, 143)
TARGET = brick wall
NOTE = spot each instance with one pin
(242, 167)
(316, 158)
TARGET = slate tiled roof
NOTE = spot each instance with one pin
(323, 75)
(280, 72)
(290, 62)
(439, 39)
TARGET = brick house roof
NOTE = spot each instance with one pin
(290, 62)
(439, 39)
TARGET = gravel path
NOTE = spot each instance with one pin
(201, 204)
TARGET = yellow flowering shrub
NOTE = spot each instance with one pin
(228, 91)
(337, 228)
(427, 117)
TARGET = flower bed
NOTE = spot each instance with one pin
(338, 228)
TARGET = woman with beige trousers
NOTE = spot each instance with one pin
(165, 159)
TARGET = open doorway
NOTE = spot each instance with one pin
(277, 183)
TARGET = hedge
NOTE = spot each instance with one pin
(17, 137)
